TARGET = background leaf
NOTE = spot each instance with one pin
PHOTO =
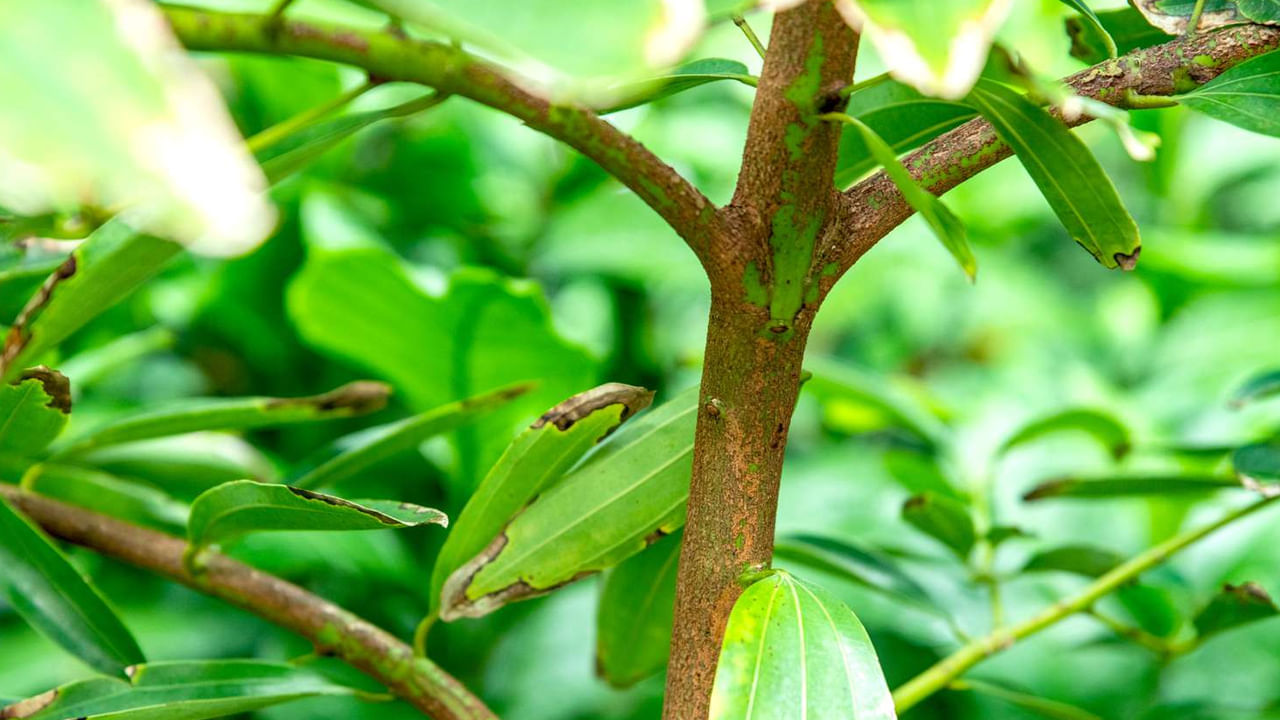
(1085, 560)
(1104, 427)
(637, 607)
(1135, 485)
(686, 77)
(945, 519)
(33, 411)
(1127, 28)
(1236, 605)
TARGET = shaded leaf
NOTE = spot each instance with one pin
(1258, 465)
(686, 77)
(1106, 428)
(1127, 28)
(178, 691)
(857, 403)
(862, 565)
(533, 462)
(791, 647)
(33, 411)
(48, 592)
(628, 494)
(182, 466)
(1085, 560)
(1151, 607)
(1042, 707)
(919, 472)
(1128, 486)
(245, 506)
(1090, 18)
(106, 494)
(1259, 387)
(1173, 16)
(945, 519)
(19, 280)
(1236, 605)
(1068, 175)
(637, 607)
(1247, 95)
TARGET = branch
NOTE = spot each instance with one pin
(951, 667)
(334, 631)
(874, 206)
(390, 56)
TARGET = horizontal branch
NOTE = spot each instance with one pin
(334, 631)
(389, 55)
(954, 665)
(874, 206)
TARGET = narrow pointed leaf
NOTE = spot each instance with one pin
(637, 608)
(50, 594)
(354, 454)
(533, 462)
(1089, 17)
(1068, 175)
(793, 650)
(1102, 426)
(945, 519)
(1085, 560)
(1236, 605)
(1258, 466)
(863, 565)
(178, 691)
(622, 499)
(1126, 27)
(1042, 707)
(1259, 387)
(1247, 95)
(686, 77)
(33, 411)
(236, 508)
(204, 414)
(103, 493)
(182, 466)
(1117, 486)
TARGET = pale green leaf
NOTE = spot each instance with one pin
(1105, 428)
(637, 608)
(1085, 560)
(106, 494)
(686, 77)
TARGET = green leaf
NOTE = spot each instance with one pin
(1090, 18)
(33, 411)
(533, 462)
(945, 225)
(918, 472)
(481, 334)
(182, 466)
(1067, 174)
(637, 608)
(1258, 466)
(1040, 706)
(244, 506)
(1105, 428)
(945, 519)
(1151, 607)
(1236, 605)
(148, 134)
(937, 48)
(20, 280)
(356, 453)
(1116, 486)
(1085, 560)
(854, 402)
(628, 494)
(178, 691)
(1126, 27)
(204, 414)
(106, 494)
(1173, 16)
(44, 588)
(1247, 95)
(686, 77)
(1259, 387)
(865, 566)
(901, 116)
(105, 268)
(793, 650)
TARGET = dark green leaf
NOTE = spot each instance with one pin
(1259, 387)
(1258, 465)
(1125, 26)
(1247, 95)
(1236, 605)
(49, 593)
(33, 411)
(1104, 427)
(1085, 560)
(789, 645)
(1089, 18)
(863, 565)
(1151, 607)
(1116, 486)
(20, 280)
(622, 499)
(686, 77)
(1040, 706)
(945, 519)
(245, 506)
(1067, 174)
(178, 691)
(533, 462)
(637, 606)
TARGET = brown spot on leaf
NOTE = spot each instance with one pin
(1128, 262)
(564, 415)
(355, 398)
(56, 386)
(30, 706)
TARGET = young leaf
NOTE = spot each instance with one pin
(178, 691)
(1042, 707)
(1088, 16)
(863, 565)
(231, 510)
(149, 133)
(637, 607)
(33, 411)
(204, 414)
(102, 270)
(686, 77)
(793, 650)
(1067, 174)
(1126, 28)
(622, 499)
(534, 461)
(1115, 486)
(945, 519)
(44, 588)
(1236, 605)
(354, 454)
(1258, 465)
(1247, 95)
(1085, 560)
(1102, 426)
(946, 226)
(1259, 387)
(20, 279)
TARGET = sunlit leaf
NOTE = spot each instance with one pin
(1136, 485)
(244, 506)
(637, 606)
(793, 650)
(1085, 560)
(1236, 605)
(145, 131)
(49, 593)
(1104, 427)
(1247, 95)
(686, 77)
(945, 519)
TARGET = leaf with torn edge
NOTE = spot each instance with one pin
(146, 133)
(637, 609)
(625, 497)
(354, 454)
(203, 414)
(1247, 95)
(194, 690)
(1173, 16)
(686, 77)
(1236, 605)
(104, 269)
(1258, 465)
(1068, 175)
(533, 462)
(38, 581)
(1105, 428)
(944, 519)
(244, 506)
(33, 411)
(1118, 486)
(790, 645)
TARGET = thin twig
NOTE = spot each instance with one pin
(752, 38)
